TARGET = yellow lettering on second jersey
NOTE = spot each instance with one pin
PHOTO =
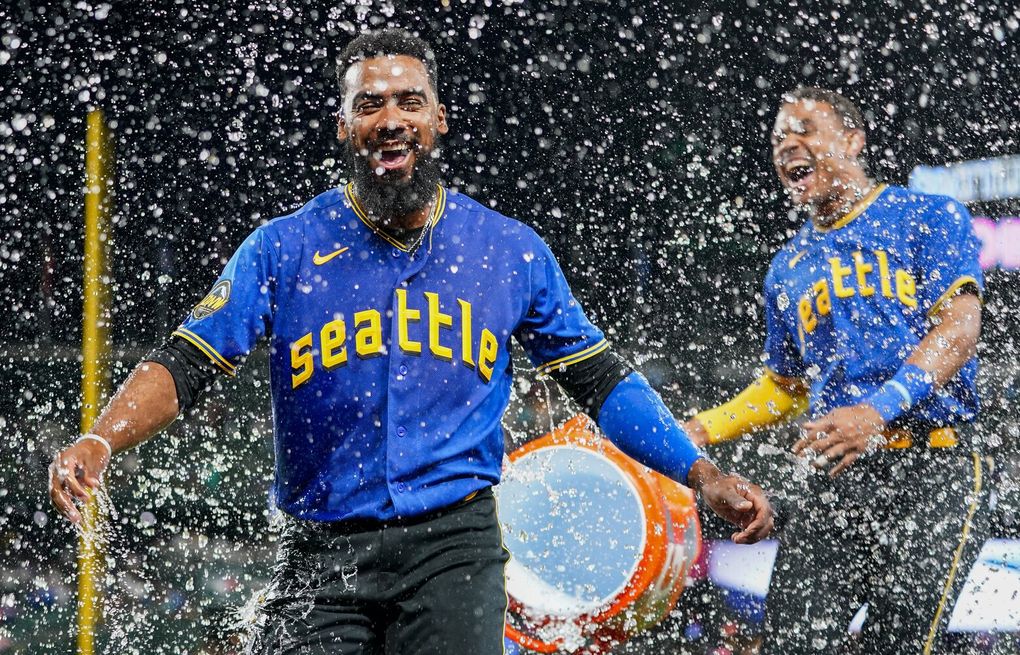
(823, 301)
(863, 268)
(848, 281)
(368, 338)
(437, 320)
(840, 273)
(808, 320)
(487, 349)
(885, 280)
(906, 288)
(404, 317)
(301, 362)
(331, 340)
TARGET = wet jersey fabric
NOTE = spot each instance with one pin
(390, 365)
(845, 306)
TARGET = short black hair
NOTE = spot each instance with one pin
(380, 43)
(847, 110)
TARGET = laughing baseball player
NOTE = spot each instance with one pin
(388, 307)
(873, 316)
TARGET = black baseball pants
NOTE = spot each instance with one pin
(899, 530)
(429, 586)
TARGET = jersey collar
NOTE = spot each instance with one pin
(859, 207)
(437, 213)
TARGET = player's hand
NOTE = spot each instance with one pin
(697, 432)
(735, 499)
(74, 473)
(842, 436)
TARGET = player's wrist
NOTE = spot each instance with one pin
(910, 386)
(95, 439)
(702, 472)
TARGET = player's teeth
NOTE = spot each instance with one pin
(798, 172)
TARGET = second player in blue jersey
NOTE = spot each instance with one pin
(853, 300)
(872, 320)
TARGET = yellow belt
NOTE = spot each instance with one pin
(903, 438)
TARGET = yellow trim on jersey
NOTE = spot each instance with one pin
(961, 281)
(932, 631)
(437, 212)
(210, 352)
(763, 403)
(856, 210)
(564, 362)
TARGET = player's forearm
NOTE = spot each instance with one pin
(767, 401)
(634, 417)
(145, 404)
(952, 341)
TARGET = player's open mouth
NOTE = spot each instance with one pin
(394, 155)
(798, 173)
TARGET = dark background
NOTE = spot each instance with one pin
(632, 135)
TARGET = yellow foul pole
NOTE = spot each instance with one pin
(95, 350)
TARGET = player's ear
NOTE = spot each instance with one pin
(341, 126)
(441, 125)
(855, 142)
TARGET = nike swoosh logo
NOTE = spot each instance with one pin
(796, 258)
(319, 260)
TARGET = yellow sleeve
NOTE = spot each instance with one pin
(763, 403)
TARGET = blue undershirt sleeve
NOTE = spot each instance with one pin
(634, 418)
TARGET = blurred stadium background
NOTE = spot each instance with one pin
(631, 135)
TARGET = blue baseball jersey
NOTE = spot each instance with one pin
(390, 366)
(845, 306)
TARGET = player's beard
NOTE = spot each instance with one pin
(388, 199)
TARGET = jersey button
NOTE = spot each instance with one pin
(401, 430)
(402, 370)
(396, 253)
(400, 487)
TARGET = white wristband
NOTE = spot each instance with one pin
(96, 437)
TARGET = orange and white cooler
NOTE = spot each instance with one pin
(600, 545)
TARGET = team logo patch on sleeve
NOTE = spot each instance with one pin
(213, 302)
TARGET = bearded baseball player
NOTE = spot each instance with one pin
(389, 306)
(873, 317)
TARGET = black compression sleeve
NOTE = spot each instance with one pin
(590, 381)
(192, 371)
